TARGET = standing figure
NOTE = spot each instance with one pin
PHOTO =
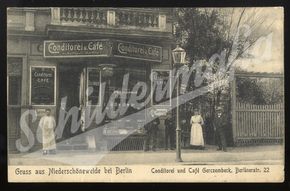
(169, 132)
(220, 123)
(47, 125)
(196, 138)
(151, 135)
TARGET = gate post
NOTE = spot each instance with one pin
(233, 107)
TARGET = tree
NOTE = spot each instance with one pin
(200, 32)
(204, 32)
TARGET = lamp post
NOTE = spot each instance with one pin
(178, 55)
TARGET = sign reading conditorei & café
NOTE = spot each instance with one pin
(101, 48)
(77, 48)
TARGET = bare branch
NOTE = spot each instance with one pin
(242, 52)
(237, 27)
(230, 26)
(240, 18)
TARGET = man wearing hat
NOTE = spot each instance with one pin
(220, 123)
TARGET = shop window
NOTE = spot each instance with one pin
(14, 80)
(114, 85)
(161, 87)
(42, 81)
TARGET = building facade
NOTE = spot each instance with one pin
(72, 58)
(53, 53)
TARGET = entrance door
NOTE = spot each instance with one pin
(69, 88)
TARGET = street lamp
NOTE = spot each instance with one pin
(178, 55)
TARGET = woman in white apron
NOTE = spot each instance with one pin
(196, 134)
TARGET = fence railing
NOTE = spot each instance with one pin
(259, 122)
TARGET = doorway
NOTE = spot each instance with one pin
(69, 87)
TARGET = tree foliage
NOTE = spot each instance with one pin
(201, 32)
(260, 91)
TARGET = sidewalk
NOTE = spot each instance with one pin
(273, 154)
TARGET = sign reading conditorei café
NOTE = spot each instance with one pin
(101, 48)
(137, 51)
(42, 85)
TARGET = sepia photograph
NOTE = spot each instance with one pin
(145, 94)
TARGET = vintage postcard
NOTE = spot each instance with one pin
(107, 94)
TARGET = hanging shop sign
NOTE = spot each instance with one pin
(160, 111)
(102, 48)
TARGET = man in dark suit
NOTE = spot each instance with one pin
(169, 132)
(151, 134)
(220, 123)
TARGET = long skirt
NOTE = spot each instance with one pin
(196, 135)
